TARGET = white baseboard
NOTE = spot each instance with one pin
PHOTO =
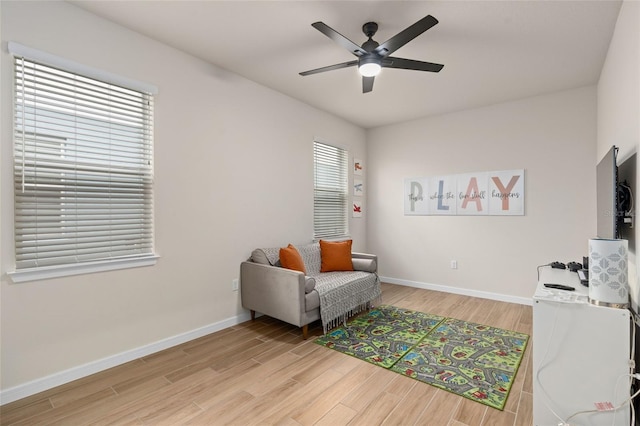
(463, 291)
(31, 388)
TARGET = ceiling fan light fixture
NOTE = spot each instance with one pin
(373, 56)
(369, 67)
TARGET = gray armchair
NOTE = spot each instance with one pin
(296, 298)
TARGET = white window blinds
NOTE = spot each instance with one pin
(82, 168)
(330, 196)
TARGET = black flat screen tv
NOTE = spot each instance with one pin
(607, 195)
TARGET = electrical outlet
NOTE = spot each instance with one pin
(234, 284)
(454, 264)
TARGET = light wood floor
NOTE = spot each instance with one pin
(262, 372)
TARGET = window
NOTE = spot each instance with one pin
(82, 169)
(330, 194)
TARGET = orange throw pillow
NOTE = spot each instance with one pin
(335, 256)
(290, 258)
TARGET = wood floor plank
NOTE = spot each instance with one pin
(205, 362)
(252, 411)
(412, 406)
(498, 418)
(80, 405)
(177, 417)
(221, 408)
(326, 401)
(130, 420)
(167, 401)
(284, 409)
(242, 377)
(275, 348)
(164, 400)
(306, 346)
(14, 412)
(524, 415)
(400, 385)
(110, 410)
(101, 383)
(470, 413)
(347, 364)
(263, 372)
(525, 322)
(147, 371)
(440, 410)
(377, 410)
(368, 390)
(321, 363)
(505, 315)
(288, 422)
(338, 416)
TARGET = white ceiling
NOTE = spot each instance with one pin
(493, 51)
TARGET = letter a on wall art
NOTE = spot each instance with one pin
(498, 193)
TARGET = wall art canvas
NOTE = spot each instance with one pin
(506, 192)
(473, 194)
(442, 195)
(357, 209)
(499, 193)
(358, 167)
(358, 188)
(415, 196)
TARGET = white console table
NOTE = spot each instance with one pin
(581, 355)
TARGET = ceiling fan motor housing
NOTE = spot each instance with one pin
(369, 29)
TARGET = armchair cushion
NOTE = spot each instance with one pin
(259, 256)
(291, 259)
(266, 256)
(335, 256)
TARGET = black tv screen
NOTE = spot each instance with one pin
(607, 195)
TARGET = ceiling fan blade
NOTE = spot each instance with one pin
(406, 35)
(410, 64)
(367, 84)
(330, 68)
(339, 38)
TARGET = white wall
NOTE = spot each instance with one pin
(233, 171)
(619, 106)
(552, 137)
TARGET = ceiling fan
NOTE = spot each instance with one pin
(372, 56)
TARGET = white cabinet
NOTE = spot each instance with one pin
(581, 355)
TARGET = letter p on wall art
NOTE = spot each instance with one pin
(484, 193)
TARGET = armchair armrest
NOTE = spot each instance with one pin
(273, 291)
(364, 262)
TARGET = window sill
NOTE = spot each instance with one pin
(333, 238)
(34, 274)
